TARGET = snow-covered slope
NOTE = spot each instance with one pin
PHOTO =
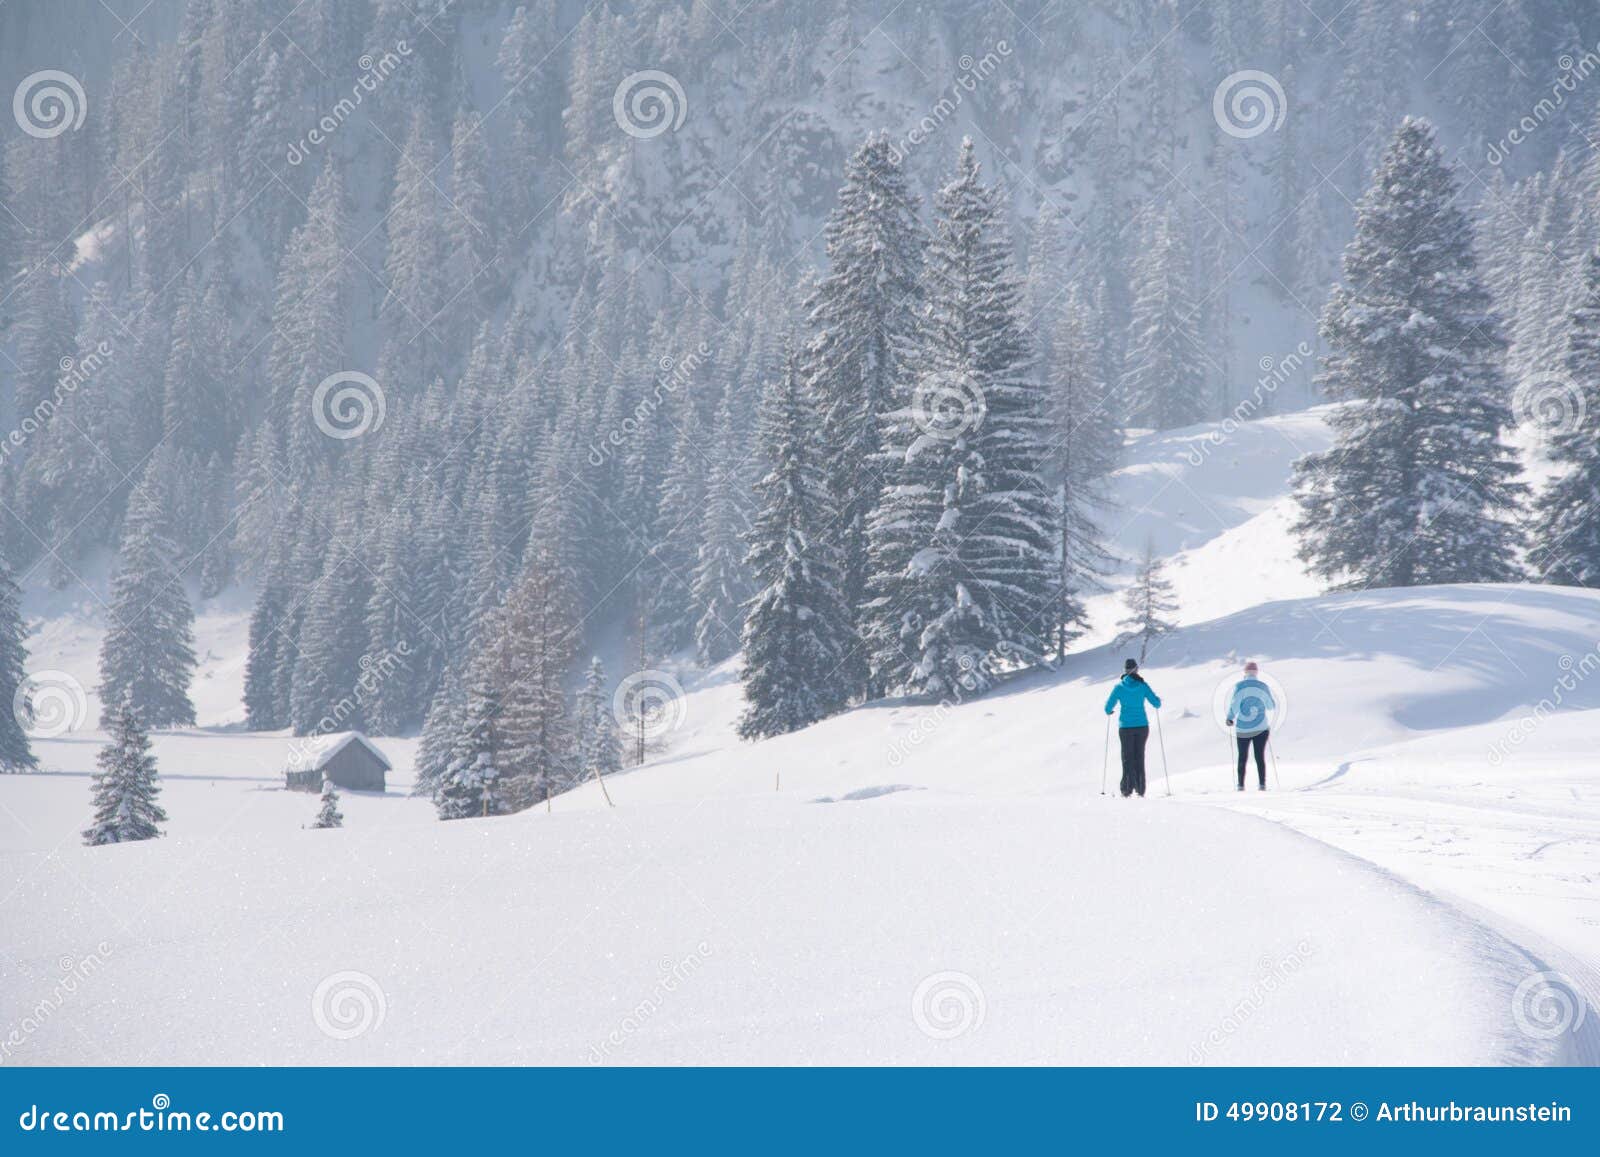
(1213, 501)
(901, 843)
(920, 883)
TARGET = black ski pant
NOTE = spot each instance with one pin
(1259, 742)
(1133, 741)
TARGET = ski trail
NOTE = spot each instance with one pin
(1520, 963)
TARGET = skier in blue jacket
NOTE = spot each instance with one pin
(1250, 715)
(1133, 729)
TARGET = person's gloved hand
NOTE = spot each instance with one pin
(1230, 722)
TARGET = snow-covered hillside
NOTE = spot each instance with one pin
(904, 883)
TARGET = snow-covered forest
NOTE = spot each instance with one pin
(561, 394)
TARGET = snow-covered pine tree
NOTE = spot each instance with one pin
(1085, 445)
(1418, 486)
(472, 784)
(417, 292)
(719, 582)
(599, 743)
(329, 815)
(125, 788)
(1162, 383)
(963, 538)
(530, 652)
(439, 732)
(863, 316)
(1566, 524)
(1150, 603)
(147, 655)
(15, 752)
(679, 508)
(333, 642)
(798, 630)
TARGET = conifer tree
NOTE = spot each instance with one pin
(963, 538)
(1162, 383)
(528, 656)
(329, 815)
(1566, 527)
(679, 509)
(798, 630)
(125, 788)
(471, 784)
(719, 581)
(1150, 603)
(1418, 486)
(147, 655)
(599, 743)
(440, 730)
(332, 643)
(16, 754)
(863, 316)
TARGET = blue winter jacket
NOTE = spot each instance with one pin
(1132, 695)
(1250, 708)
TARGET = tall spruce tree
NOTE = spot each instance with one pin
(599, 742)
(1566, 529)
(125, 788)
(471, 782)
(1085, 445)
(863, 315)
(1419, 486)
(1162, 383)
(798, 632)
(529, 655)
(16, 754)
(147, 655)
(963, 537)
(719, 582)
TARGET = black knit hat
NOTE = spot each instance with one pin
(1131, 665)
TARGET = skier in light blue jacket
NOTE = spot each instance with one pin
(1128, 698)
(1250, 711)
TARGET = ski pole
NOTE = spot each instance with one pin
(1277, 780)
(1165, 774)
(1105, 756)
(1233, 751)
